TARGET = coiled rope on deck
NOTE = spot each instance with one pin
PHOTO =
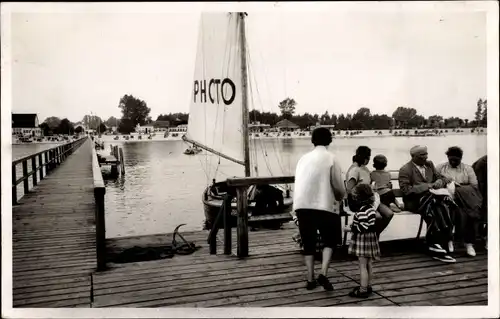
(137, 254)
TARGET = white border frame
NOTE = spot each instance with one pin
(492, 310)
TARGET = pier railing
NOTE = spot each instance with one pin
(50, 159)
(100, 220)
(241, 185)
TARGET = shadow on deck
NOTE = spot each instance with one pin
(274, 275)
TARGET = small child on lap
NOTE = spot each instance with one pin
(381, 180)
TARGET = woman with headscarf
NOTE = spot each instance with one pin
(466, 195)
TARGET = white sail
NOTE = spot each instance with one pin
(215, 113)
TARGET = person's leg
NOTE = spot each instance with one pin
(328, 226)
(470, 236)
(386, 215)
(363, 271)
(369, 268)
(389, 200)
(308, 236)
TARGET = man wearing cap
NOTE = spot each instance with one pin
(416, 178)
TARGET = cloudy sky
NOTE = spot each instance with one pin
(72, 62)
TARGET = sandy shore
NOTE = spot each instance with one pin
(306, 135)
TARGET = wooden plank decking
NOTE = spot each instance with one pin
(274, 275)
(54, 262)
(54, 237)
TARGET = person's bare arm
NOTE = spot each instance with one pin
(351, 183)
(336, 180)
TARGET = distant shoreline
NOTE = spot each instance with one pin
(370, 133)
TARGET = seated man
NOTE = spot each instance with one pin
(416, 178)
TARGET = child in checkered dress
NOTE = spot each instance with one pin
(364, 240)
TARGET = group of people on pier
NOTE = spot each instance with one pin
(452, 199)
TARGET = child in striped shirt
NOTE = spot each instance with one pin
(364, 240)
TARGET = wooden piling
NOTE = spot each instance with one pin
(100, 221)
(14, 188)
(227, 227)
(242, 228)
(25, 173)
(40, 163)
(122, 162)
(33, 169)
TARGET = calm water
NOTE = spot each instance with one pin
(162, 187)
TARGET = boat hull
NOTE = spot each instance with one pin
(212, 206)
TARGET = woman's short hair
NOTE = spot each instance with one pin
(362, 154)
(455, 151)
(321, 136)
(380, 162)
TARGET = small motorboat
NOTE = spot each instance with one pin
(192, 150)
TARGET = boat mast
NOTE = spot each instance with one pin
(244, 95)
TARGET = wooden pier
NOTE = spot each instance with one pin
(58, 232)
(274, 275)
(54, 245)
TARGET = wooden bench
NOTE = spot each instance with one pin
(399, 197)
(277, 217)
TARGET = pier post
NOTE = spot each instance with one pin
(33, 168)
(46, 155)
(100, 226)
(227, 226)
(114, 170)
(51, 161)
(100, 217)
(122, 162)
(25, 174)
(14, 187)
(242, 228)
(40, 164)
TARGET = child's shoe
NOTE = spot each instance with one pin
(357, 293)
(311, 285)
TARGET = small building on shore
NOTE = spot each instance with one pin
(144, 129)
(257, 127)
(26, 124)
(329, 127)
(287, 126)
(161, 126)
(179, 128)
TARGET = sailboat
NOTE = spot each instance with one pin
(218, 115)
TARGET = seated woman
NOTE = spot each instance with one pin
(466, 196)
(358, 173)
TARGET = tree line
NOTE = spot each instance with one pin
(362, 119)
(135, 111)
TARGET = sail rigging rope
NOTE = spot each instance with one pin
(275, 139)
(264, 151)
(255, 118)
